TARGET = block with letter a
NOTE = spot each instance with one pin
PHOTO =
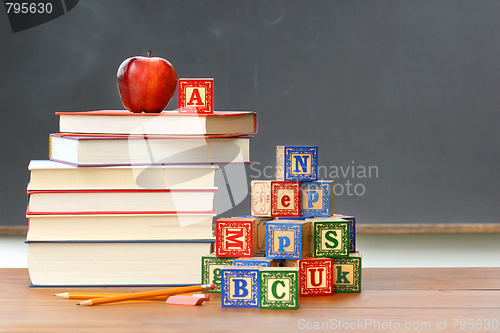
(240, 287)
(240, 237)
(196, 95)
(296, 163)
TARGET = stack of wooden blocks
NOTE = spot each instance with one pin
(292, 245)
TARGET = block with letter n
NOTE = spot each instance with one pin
(316, 198)
(352, 229)
(196, 95)
(240, 286)
(240, 236)
(288, 239)
(331, 237)
(279, 288)
(275, 198)
(211, 270)
(315, 275)
(296, 163)
(347, 274)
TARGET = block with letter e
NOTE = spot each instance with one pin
(275, 198)
(315, 275)
(331, 237)
(288, 239)
(196, 95)
(316, 198)
(279, 288)
(240, 236)
(211, 270)
(296, 163)
(347, 274)
(240, 286)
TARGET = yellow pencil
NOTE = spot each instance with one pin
(73, 295)
(148, 294)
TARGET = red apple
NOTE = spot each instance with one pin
(146, 84)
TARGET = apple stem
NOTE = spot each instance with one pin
(149, 53)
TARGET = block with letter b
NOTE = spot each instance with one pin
(240, 236)
(347, 274)
(295, 163)
(279, 288)
(331, 237)
(196, 95)
(316, 198)
(315, 275)
(211, 270)
(275, 198)
(288, 239)
(240, 286)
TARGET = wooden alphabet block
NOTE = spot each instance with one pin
(315, 276)
(196, 95)
(331, 237)
(288, 239)
(352, 229)
(279, 288)
(275, 198)
(211, 270)
(317, 198)
(255, 261)
(240, 286)
(295, 163)
(347, 274)
(240, 236)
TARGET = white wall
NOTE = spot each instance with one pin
(476, 250)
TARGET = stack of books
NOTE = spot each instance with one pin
(128, 198)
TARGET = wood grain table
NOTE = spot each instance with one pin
(392, 300)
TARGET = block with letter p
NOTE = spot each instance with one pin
(347, 274)
(331, 237)
(288, 239)
(240, 287)
(240, 236)
(275, 198)
(279, 288)
(317, 198)
(296, 163)
(196, 95)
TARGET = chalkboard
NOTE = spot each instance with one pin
(401, 97)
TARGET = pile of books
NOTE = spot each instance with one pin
(128, 198)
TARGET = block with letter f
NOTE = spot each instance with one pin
(196, 95)
(294, 163)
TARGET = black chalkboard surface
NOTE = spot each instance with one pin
(401, 97)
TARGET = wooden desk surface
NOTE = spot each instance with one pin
(392, 300)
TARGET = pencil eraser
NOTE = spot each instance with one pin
(212, 286)
(185, 300)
